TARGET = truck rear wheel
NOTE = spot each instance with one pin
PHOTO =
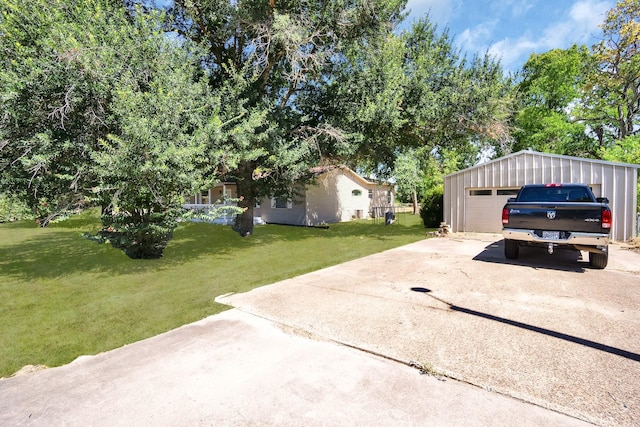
(511, 249)
(598, 260)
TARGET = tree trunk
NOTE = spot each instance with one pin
(243, 223)
(414, 197)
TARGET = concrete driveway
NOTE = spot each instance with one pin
(544, 329)
(539, 341)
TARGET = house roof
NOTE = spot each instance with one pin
(549, 155)
(319, 170)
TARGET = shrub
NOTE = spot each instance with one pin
(432, 209)
(13, 209)
(140, 234)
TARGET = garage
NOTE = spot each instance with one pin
(473, 197)
(484, 207)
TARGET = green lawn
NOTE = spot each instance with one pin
(62, 296)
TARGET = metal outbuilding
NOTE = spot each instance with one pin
(474, 197)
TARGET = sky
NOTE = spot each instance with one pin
(511, 30)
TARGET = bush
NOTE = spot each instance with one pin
(140, 235)
(12, 209)
(145, 233)
(432, 209)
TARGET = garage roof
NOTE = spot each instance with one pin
(549, 155)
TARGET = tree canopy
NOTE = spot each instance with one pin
(134, 107)
(584, 102)
(612, 96)
(282, 51)
(551, 87)
(259, 92)
(100, 107)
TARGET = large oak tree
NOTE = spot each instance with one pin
(279, 50)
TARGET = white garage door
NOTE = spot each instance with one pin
(483, 208)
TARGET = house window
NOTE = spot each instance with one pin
(371, 194)
(281, 203)
(356, 193)
(204, 197)
(388, 196)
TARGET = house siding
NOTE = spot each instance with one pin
(338, 195)
(380, 200)
(351, 206)
(293, 214)
(322, 203)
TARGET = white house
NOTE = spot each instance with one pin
(337, 194)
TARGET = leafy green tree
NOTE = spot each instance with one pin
(432, 200)
(412, 99)
(550, 89)
(451, 101)
(414, 93)
(612, 95)
(163, 148)
(13, 209)
(365, 99)
(282, 50)
(291, 85)
(100, 106)
(54, 108)
(407, 171)
(625, 151)
(612, 92)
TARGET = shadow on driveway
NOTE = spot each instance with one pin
(555, 334)
(562, 259)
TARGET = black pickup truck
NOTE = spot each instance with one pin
(558, 216)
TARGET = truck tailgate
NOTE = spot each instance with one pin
(575, 217)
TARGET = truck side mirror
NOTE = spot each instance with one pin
(602, 200)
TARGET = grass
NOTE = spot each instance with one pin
(62, 296)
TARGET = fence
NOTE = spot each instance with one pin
(378, 212)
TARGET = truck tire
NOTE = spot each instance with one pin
(598, 260)
(511, 249)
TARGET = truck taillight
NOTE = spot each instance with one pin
(606, 218)
(505, 216)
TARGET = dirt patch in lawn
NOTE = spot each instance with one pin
(27, 369)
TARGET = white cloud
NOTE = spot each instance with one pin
(474, 39)
(515, 8)
(579, 26)
(510, 52)
(439, 10)
(587, 15)
(521, 7)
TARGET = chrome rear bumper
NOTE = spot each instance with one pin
(586, 239)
